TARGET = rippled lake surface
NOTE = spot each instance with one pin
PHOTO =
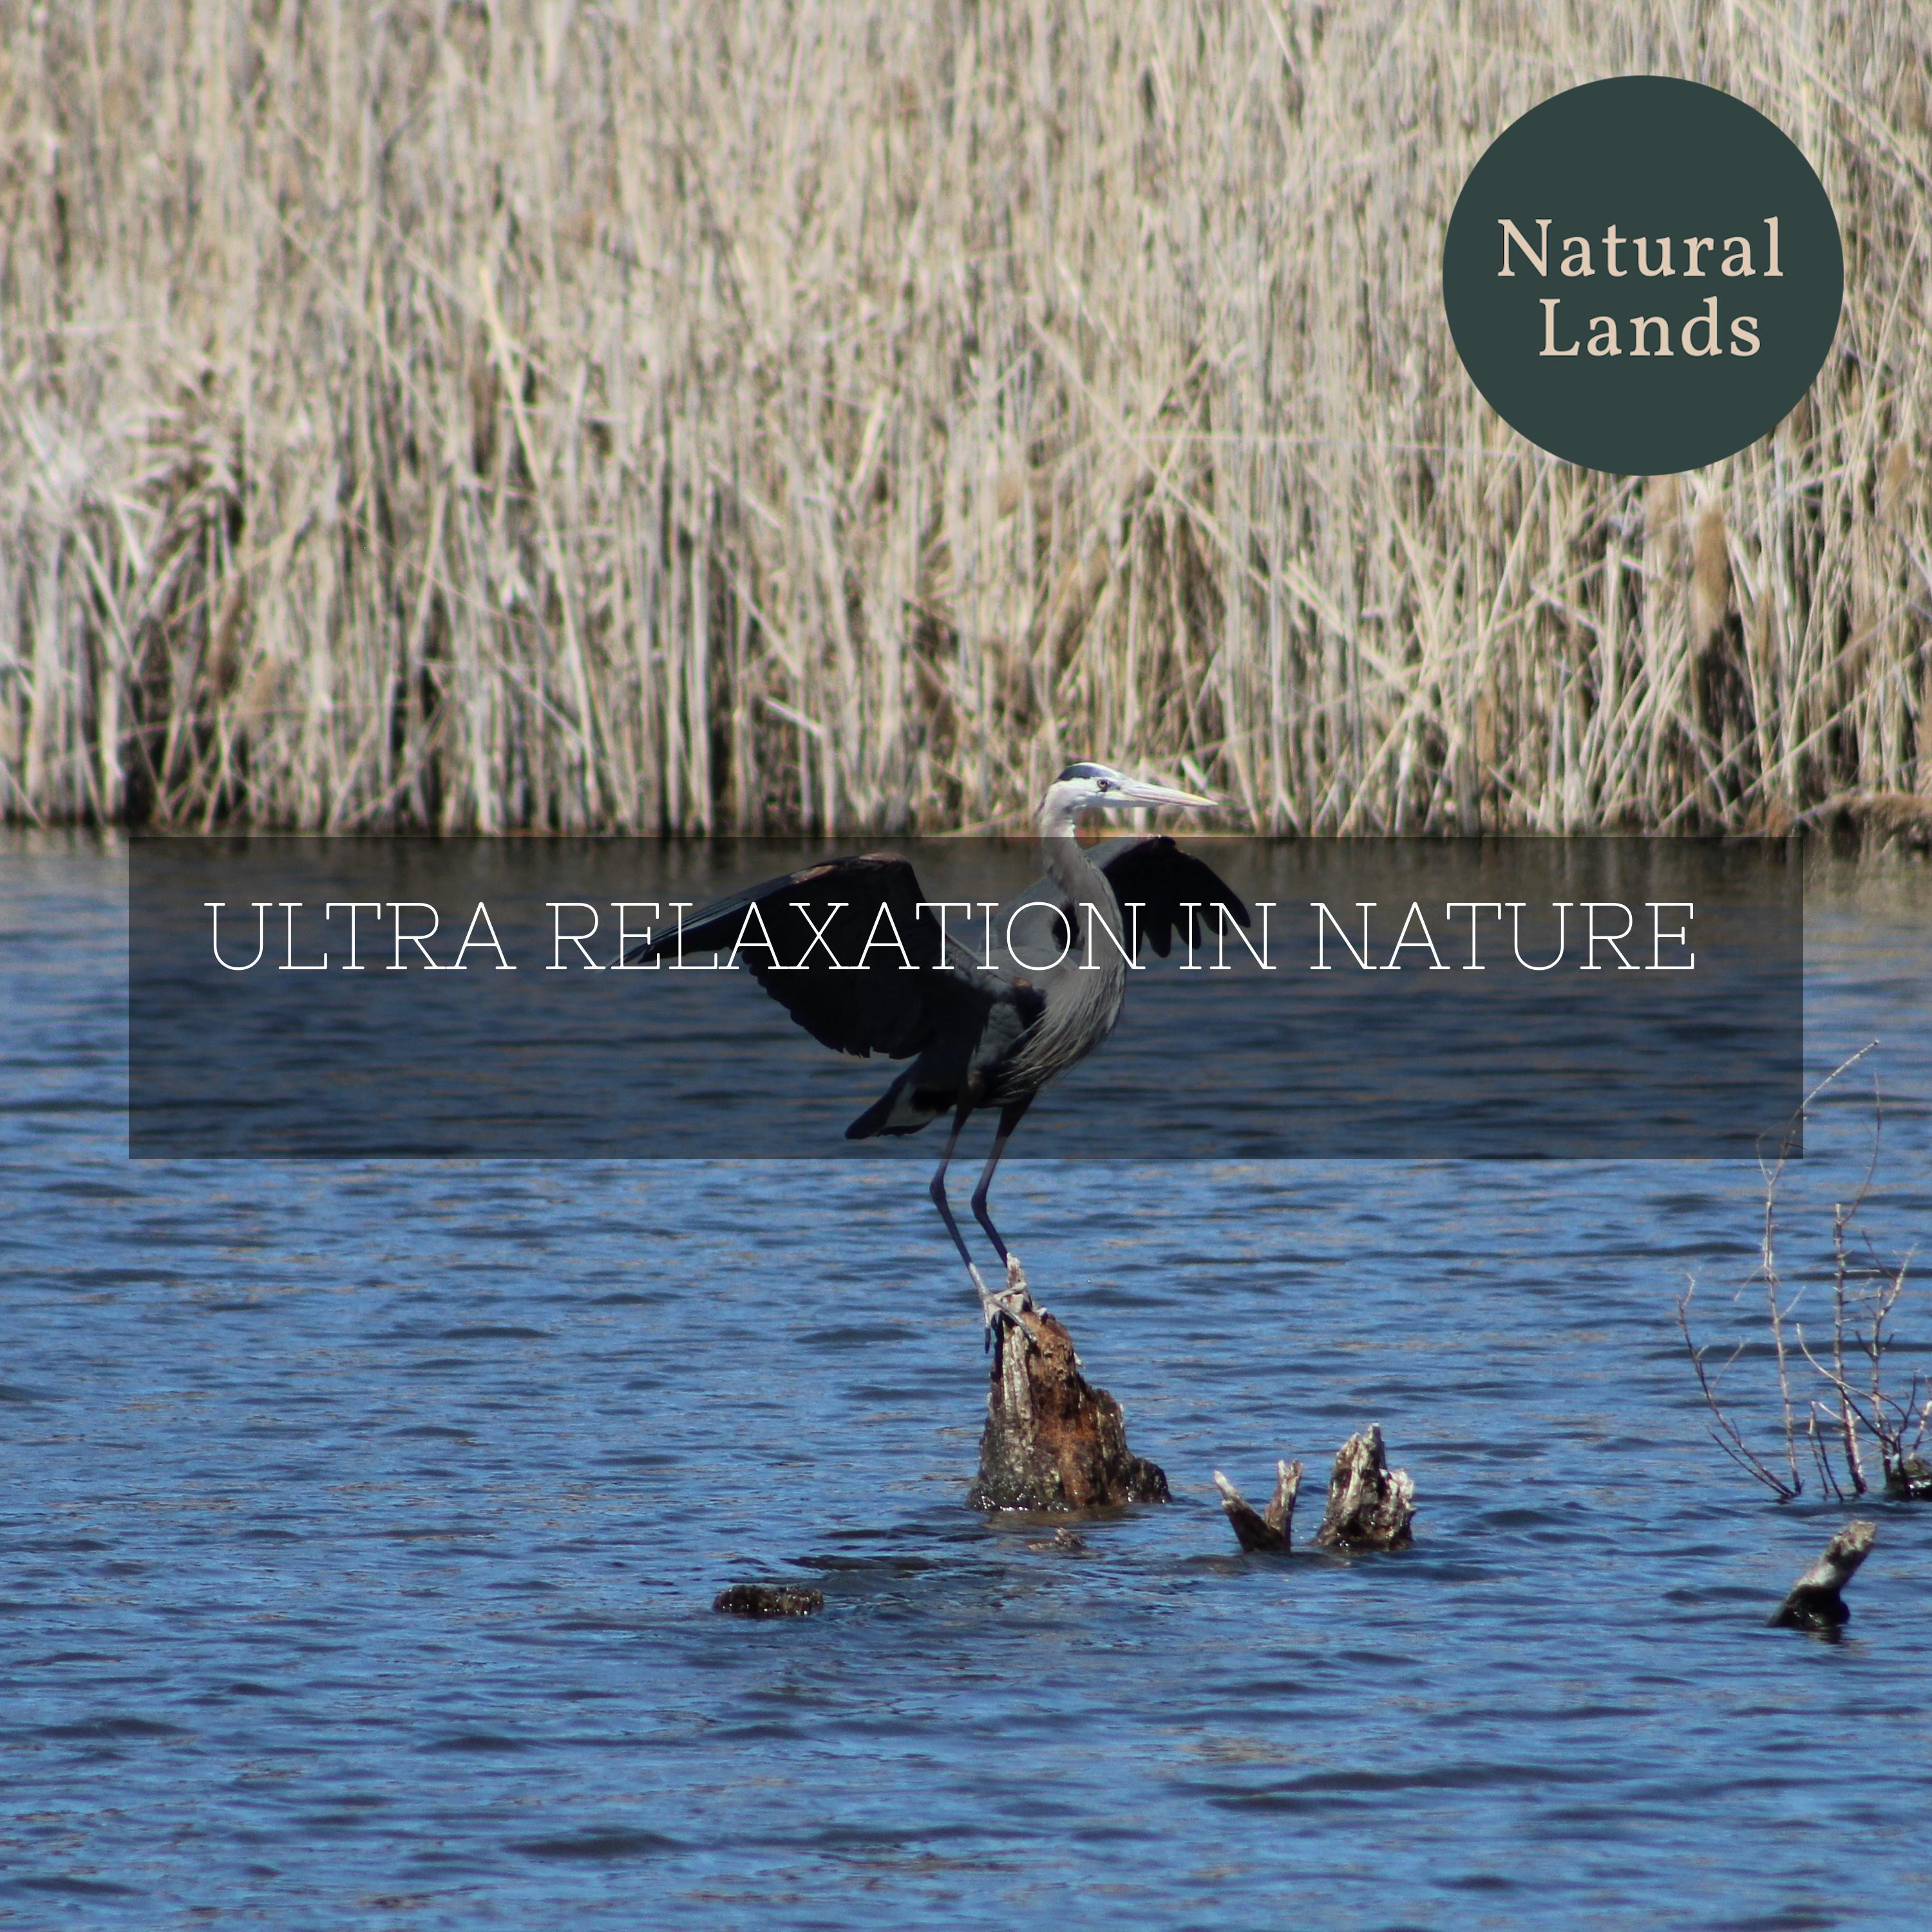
(360, 1526)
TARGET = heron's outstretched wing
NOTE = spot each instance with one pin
(1173, 888)
(844, 947)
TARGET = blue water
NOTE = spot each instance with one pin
(360, 1525)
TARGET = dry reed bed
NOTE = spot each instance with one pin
(685, 416)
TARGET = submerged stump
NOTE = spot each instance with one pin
(1272, 1528)
(1052, 1440)
(768, 1600)
(1370, 1506)
(1816, 1601)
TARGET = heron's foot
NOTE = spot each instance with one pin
(1007, 1306)
(1016, 1280)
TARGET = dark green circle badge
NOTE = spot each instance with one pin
(1643, 275)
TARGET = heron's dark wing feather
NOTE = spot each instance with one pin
(842, 946)
(1173, 888)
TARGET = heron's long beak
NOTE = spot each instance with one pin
(1134, 792)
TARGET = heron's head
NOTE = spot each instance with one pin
(1091, 787)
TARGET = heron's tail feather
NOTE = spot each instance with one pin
(902, 1108)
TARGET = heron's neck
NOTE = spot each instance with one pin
(1067, 864)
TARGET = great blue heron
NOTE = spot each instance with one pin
(984, 1028)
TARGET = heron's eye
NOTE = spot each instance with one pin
(1105, 785)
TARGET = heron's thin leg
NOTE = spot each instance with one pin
(989, 1308)
(1010, 1117)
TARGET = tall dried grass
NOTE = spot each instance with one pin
(689, 414)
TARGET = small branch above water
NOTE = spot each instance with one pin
(1816, 1601)
(1270, 1529)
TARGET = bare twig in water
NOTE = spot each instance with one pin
(1856, 1409)
(1722, 1430)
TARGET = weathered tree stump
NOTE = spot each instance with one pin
(1370, 1506)
(1270, 1529)
(1052, 1441)
(1816, 1601)
(768, 1600)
